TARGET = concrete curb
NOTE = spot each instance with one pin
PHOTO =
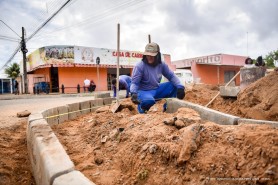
(50, 163)
(205, 113)
(215, 116)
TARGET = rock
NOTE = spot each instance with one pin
(179, 124)
(103, 109)
(98, 161)
(190, 138)
(145, 147)
(170, 121)
(114, 133)
(153, 148)
(103, 138)
(271, 170)
(25, 113)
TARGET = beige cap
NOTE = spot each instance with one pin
(151, 49)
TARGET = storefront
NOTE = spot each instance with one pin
(6, 85)
(213, 69)
(69, 66)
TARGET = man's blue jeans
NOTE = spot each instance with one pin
(149, 97)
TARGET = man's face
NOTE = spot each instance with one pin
(150, 59)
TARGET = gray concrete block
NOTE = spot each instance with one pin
(35, 116)
(252, 121)
(205, 113)
(63, 113)
(102, 95)
(85, 107)
(44, 113)
(108, 101)
(74, 110)
(53, 116)
(95, 104)
(250, 75)
(229, 91)
(72, 178)
(47, 155)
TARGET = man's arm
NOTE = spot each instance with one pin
(136, 79)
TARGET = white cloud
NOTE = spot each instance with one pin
(183, 28)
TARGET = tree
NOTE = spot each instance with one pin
(270, 58)
(13, 70)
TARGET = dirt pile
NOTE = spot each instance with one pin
(163, 148)
(258, 101)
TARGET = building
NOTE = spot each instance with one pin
(6, 85)
(215, 69)
(69, 66)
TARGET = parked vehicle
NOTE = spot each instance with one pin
(184, 75)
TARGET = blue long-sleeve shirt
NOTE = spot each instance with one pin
(124, 83)
(147, 77)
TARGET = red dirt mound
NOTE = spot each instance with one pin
(162, 148)
(258, 101)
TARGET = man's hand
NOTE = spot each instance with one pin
(134, 98)
(180, 93)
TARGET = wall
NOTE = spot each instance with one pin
(209, 74)
(233, 60)
(71, 76)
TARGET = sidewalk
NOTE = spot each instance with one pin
(54, 95)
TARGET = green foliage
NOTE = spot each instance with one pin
(13, 70)
(270, 58)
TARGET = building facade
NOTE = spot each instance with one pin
(69, 66)
(215, 69)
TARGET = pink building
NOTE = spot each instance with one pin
(215, 69)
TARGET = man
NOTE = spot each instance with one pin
(86, 84)
(92, 86)
(16, 91)
(146, 88)
(124, 84)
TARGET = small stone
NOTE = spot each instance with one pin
(271, 170)
(153, 148)
(98, 161)
(25, 113)
(103, 138)
(145, 147)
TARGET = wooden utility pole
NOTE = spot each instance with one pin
(118, 63)
(149, 38)
(24, 51)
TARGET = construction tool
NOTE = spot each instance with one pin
(219, 91)
(116, 106)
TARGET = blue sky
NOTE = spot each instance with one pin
(182, 28)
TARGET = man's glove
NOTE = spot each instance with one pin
(180, 93)
(134, 98)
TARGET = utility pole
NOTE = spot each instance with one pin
(24, 51)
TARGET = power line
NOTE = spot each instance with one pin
(97, 17)
(18, 48)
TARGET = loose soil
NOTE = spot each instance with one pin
(15, 166)
(168, 148)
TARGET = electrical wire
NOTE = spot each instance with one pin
(97, 17)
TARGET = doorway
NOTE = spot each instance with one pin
(228, 75)
(112, 74)
(54, 79)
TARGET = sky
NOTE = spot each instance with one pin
(183, 28)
